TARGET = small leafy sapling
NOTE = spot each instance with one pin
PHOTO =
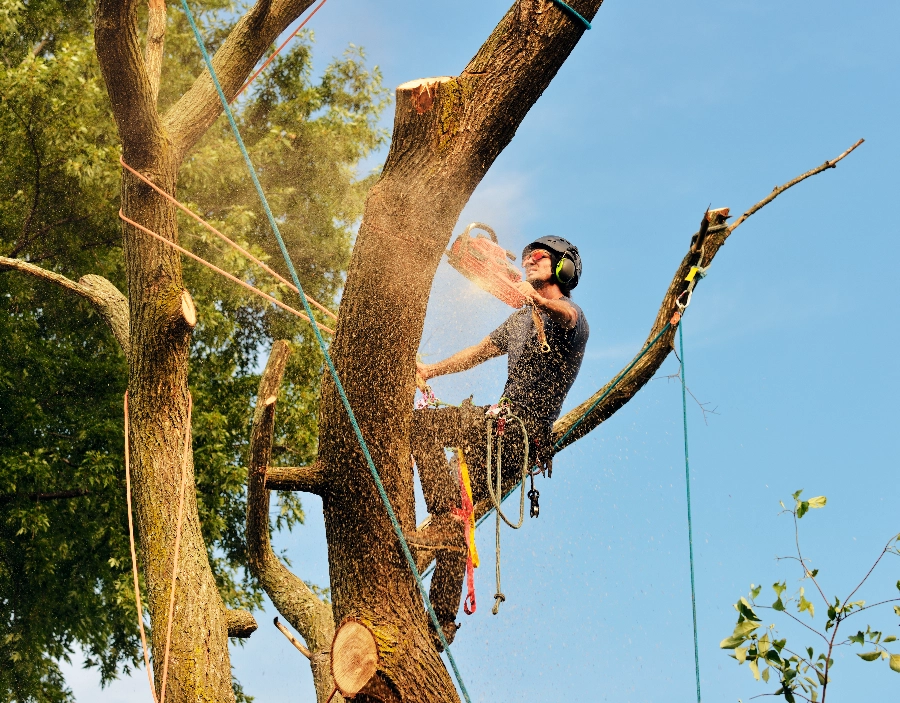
(803, 673)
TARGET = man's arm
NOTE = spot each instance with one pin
(559, 310)
(461, 361)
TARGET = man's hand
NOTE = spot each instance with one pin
(425, 371)
(531, 295)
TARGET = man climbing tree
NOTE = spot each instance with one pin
(545, 344)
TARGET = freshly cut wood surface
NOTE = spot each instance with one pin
(354, 657)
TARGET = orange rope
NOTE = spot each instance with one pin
(134, 568)
(184, 465)
(221, 272)
(277, 51)
(221, 236)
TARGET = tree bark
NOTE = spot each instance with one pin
(308, 614)
(447, 133)
(160, 320)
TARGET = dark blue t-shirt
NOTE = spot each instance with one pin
(538, 382)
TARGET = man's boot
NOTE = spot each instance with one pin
(444, 536)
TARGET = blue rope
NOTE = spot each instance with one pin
(687, 479)
(337, 382)
(572, 12)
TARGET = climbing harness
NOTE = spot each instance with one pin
(503, 414)
(398, 530)
(572, 12)
(278, 51)
(467, 514)
(134, 568)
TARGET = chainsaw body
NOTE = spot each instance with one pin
(483, 261)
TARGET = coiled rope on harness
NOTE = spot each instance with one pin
(328, 360)
(496, 495)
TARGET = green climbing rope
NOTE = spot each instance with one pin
(687, 481)
(329, 362)
(572, 12)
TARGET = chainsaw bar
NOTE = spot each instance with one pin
(483, 261)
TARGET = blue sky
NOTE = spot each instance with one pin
(662, 109)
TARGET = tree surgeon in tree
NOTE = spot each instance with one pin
(545, 343)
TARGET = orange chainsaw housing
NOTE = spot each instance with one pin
(484, 262)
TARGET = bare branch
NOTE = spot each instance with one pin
(645, 369)
(309, 479)
(649, 364)
(127, 81)
(112, 305)
(199, 107)
(156, 34)
(308, 614)
(778, 190)
(866, 577)
(240, 623)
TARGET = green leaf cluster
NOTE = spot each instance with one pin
(65, 578)
(805, 674)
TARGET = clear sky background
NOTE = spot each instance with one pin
(662, 109)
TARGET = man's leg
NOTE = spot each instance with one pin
(433, 430)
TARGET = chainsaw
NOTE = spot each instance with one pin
(483, 261)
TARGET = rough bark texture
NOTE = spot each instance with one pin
(308, 614)
(447, 133)
(160, 322)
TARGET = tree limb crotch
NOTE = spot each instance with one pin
(199, 107)
(292, 598)
(106, 298)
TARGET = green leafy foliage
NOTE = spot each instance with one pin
(64, 559)
(805, 674)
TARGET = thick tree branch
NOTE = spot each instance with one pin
(127, 81)
(309, 479)
(112, 305)
(156, 34)
(308, 614)
(638, 376)
(240, 623)
(199, 107)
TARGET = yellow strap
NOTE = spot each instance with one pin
(467, 484)
(693, 272)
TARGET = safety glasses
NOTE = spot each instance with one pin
(536, 255)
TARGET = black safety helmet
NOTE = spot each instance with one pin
(564, 258)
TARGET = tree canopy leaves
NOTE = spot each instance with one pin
(64, 558)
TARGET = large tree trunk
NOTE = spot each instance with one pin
(447, 133)
(161, 317)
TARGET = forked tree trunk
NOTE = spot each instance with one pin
(161, 317)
